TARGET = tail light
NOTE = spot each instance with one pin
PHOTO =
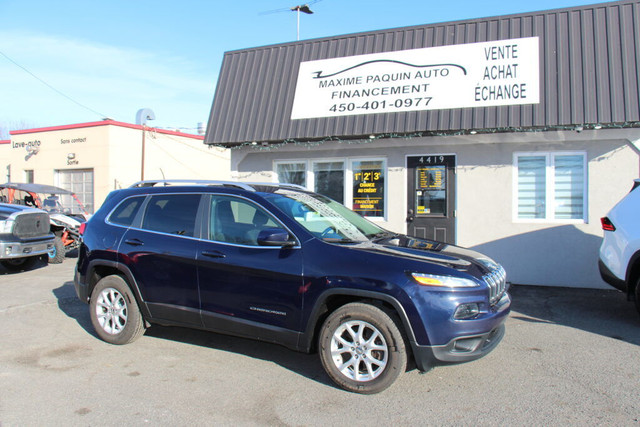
(607, 225)
(83, 226)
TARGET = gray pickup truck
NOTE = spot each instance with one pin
(25, 236)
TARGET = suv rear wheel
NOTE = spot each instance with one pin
(114, 311)
(362, 348)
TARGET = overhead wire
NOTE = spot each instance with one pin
(188, 167)
(192, 147)
(51, 87)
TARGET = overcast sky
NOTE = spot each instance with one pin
(108, 59)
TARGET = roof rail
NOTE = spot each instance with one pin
(277, 184)
(167, 182)
(248, 186)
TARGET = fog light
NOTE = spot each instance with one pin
(7, 250)
(466, 345)
(466, 311)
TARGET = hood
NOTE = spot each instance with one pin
(444, 254)
(64, 220)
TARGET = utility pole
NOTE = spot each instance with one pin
(142, 116)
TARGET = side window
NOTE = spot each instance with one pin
(239, 221)
(172, 214)
(126, 211)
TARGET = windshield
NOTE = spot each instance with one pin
(323, 217)
(53, 203)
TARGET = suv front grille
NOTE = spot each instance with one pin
(496, 280)
(31, 225)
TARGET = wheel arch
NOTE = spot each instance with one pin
(103, 268)
(633, 273)
(56, 229)
(332, 299)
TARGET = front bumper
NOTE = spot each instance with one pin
(13, 250)
(459, 350)
(467, 339)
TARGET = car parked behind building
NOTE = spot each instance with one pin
(277, 263)
(24, 236)
(619, 261)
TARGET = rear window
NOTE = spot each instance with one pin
(172, 214)
(126, 211)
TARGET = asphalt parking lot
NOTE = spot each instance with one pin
(569, 356)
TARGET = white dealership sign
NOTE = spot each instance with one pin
(503, 72)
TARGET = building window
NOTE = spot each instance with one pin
(28, 176)
(328, 178)
(368, 187)
(357, 183)
(550, 186)
(292, 173)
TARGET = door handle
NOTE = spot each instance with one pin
(134, 242)
(213, 254)
(410, 216)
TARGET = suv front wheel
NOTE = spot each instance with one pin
(362, 348)
(114, 311)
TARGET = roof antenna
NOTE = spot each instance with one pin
(304, 8)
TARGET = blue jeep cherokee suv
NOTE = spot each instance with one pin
(277, 263)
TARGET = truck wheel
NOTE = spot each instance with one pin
(20, 264)
(115, 314)
(362, 348)
(57, 254)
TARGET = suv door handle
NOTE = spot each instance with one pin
(213, 254)
(134, 242)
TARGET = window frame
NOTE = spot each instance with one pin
(292, 162)
(136, 218)
(207, 201)
(550, 184)
(348, 177)
(144, 210)
(311, 174)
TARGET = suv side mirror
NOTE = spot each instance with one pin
(274, 237)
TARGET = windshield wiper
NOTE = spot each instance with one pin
(382, 235)
(339, 240)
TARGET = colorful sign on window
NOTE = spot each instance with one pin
(368, 188)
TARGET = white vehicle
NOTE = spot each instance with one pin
(619, 261)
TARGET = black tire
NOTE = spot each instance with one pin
(58, 253)
(365, 370)
(20, 264)
(115, 314)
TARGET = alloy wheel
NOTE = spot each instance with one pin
(359, 350)
(111, 311)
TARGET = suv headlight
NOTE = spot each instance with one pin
(443, 281)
